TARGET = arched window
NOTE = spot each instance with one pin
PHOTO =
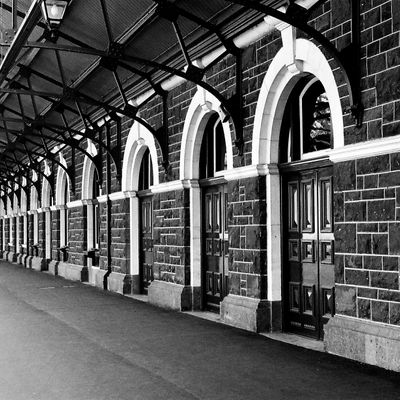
(213, 158)
(146, 172)
(306, 124)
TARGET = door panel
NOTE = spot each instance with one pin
(146, 243)
(215, 245)
(308, 271)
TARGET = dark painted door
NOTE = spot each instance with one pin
(215, 245)
(308, 250)
(146, 242)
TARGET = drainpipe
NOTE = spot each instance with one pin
(108, 205)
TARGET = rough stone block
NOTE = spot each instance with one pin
(53, 267)
(345, 235)
(355, 211)
(364, 308)
(100, 278)
(394, 238)
(39, 264)
(394, 315)
(385, 280)
(380, 311)
(344, 176)
(380, 244)
(345, 298)
(73, 272)
(385, 89)
(381, 210)
(119, 283)
(373, 164)
(357, 277)
(391, 263)
(364, 341)
(247, 313)
(170, 295)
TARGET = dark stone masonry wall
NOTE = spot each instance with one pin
(30, 234)
(120, 231)
(171, 236)
(367, 232)
(42, 235)
(77, 235)
(55, 234)
(7, 231)
(247, 237)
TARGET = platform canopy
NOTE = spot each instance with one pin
(56, 84)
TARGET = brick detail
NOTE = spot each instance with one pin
(367, 237)
(247, 237)
(171, 237)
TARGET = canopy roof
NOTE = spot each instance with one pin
(56, 85)
(104, 53)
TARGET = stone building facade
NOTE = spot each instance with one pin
(298, 230)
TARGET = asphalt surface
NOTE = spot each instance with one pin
(65, 340)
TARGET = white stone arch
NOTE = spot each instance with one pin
(34, 203)
(202, 106)
(139, 139)
(61, 182)
(23, 202)
(295, 59)
(88, 172)
(277, 85)
(62, 185)
(46, 194)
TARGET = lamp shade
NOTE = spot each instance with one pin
(53, 11)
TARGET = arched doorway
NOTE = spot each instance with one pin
(202, 176)
(145, 196)
(307, 234)
(286, 79)
(47, 200)
(91, 191)
(214, 208)
(139, 173)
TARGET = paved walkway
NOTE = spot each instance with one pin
(65, 340)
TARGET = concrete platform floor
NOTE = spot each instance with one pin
(64, 340)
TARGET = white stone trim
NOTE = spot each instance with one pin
(372, 148)
(202, 106)
(139, 139)
(118, 196)
(170, 186)
(103, 198)
(277, 85)
(62, 180)
(75, 204)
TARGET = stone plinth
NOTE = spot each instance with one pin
(364, 341)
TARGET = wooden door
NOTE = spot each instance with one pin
(308, 270)
(215, 246)
(146, 242)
